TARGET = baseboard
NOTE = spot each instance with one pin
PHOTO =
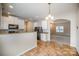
(26, 51)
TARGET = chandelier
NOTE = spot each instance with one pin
(49, 17)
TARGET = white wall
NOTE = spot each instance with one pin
(78, 27)
(0, 22)
(70, 15)
(17, 44)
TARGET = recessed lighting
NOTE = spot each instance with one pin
(52, 17)
(46, 18)
(9, 13)
(10, 6)
(49, 16)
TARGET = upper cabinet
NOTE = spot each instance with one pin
(10, 20)
(13, 20)
(21, 23)
(5, 21)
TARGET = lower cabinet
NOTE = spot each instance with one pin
(44, 37)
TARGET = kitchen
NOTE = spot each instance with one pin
(13, 34)
(21, 28)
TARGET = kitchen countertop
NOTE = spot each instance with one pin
(44, 32)
(16, 44)
(15, 33)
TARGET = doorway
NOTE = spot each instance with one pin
(60, 31)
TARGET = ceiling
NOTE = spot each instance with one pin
(38, 11)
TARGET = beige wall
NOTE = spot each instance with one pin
(66, 26)
(28, 26)
(53, 28)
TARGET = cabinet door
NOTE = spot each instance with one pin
(21, 24)
(4, 23)
(44, 37)
(15, 20)
(11, 20)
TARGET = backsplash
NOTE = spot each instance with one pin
(6, 31)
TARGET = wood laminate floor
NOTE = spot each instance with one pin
(51, 49)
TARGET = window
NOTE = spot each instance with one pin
(59, 29)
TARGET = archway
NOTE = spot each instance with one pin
(60, 31)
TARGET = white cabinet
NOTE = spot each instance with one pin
(5, 21)
(44, 24)
(44, 37)
(11, 20)
(21, 23)
(15, 20)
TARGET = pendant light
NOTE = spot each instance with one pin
(49, 17)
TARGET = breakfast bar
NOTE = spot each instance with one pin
(17, 43)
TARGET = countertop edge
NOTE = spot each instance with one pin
(16, 33)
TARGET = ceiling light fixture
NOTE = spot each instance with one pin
(49, 15)
(10, 6)
(9, 13)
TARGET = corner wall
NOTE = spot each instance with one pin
(70, 15)
(77, 21)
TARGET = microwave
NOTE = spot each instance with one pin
(13, 28)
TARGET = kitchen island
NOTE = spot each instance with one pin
(17, 43)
